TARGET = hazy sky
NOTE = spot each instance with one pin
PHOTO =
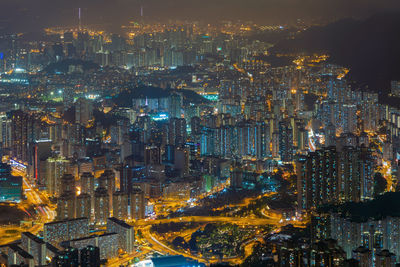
(31, 14)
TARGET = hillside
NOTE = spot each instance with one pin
(381, 207)
(369, 48)
(63, 66)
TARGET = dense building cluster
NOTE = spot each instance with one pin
(110, 130)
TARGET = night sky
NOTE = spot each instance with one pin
(27, 15)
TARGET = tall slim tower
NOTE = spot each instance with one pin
(79, 19)
(141, 13)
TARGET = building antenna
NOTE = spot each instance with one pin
(141, 14)
(79, 19)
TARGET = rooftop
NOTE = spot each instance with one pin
(64, 221)
(174, 261)
(120, 222)
(21, 252)
(34, 237)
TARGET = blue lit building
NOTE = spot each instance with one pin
(68, 257)
(10, 186)
(170, 261)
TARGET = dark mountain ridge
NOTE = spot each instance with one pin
(370, 48)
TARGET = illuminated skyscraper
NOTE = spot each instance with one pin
(330, 135)
(55, 169)
(208, 141)
(34, 246)
(275, 144)
(349, 119)
(107, 181)
(102, 202)
(177, 131)
(303, 183)
(317, 179)
(87, 188)
(21, 127)
(5, 130)
(355, 174)
(120, 205)
(101, 206)
(236, 175)
(137, 204)
(83, 111)
(126, 233)
(195, 125)
(83, 206)
(175, 106)
(87, 183)
(18, 256)
(330, 176)
(66, 203)
(286, 141)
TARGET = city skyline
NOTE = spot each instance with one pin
(179, 133)
(32, 16)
